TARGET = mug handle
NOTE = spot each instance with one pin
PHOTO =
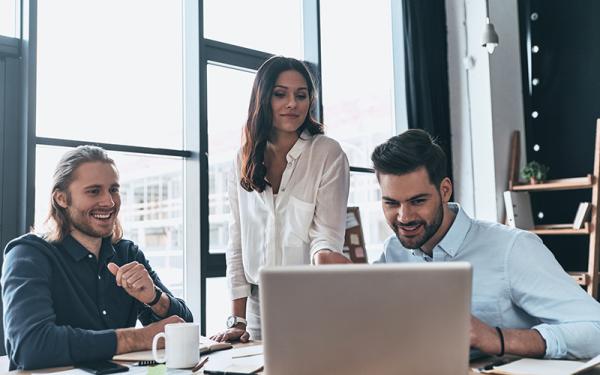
(154, 344)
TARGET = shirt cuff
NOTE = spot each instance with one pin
(240, 292)
(93, 345)
(555, 347)
(321, 246)
(175, 308)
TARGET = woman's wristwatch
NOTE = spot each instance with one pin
(233, 320)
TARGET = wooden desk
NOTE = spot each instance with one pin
(4, 367)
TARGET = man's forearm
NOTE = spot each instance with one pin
(135, 339)
(524, 342)
(162, 306)
(238, 307)
(132, 340)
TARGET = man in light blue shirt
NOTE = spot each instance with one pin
(523, 302)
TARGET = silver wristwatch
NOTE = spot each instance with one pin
(233, 320)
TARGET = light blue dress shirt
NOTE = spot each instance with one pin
(517, 283)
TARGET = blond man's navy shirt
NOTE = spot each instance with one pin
(517, 283)
(62, 305)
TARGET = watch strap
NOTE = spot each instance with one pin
(158, 293)
(236, 320)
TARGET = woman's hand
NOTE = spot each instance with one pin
(329, 257)
(232, 334)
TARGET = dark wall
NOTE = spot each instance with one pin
(567, 100)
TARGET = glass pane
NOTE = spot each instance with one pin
(218, 305)
(116, 84)
(365, 193)
(358, 79)
(272, 26)
(9, 18)
(151, 206)
(228, 98)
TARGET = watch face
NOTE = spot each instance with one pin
(230, 321)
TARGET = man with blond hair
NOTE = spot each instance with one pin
(75, 293)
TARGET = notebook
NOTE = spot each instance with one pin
(240, 360)
(206, 346)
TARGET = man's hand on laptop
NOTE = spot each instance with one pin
(329, 257)
(135, 339)
(233, 334)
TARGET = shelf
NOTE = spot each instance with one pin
(560, 229)
(562, 184)
(590, 280)
(582, 278)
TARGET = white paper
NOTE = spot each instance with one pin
(354, 239)
(246, 359)
(246, 351)
(74, 371)
(529, 366)
(589, 364)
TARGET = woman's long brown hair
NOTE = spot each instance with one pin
(260, 119)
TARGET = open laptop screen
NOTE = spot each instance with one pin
(367, 319)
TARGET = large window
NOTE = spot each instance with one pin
(358, 98)
(117, 84)
(10, 18)
(121, 87)
(272, 26)
(228, 94)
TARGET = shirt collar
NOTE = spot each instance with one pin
(78, 252)
(457, 232)
(299, 146)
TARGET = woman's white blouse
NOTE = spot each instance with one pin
(308, 215)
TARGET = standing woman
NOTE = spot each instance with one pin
(288, 194)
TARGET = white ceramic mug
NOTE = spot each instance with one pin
(181, 345)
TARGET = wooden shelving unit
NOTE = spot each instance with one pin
(580, 277)
(562, 184)
(591, 278)
(560, 229)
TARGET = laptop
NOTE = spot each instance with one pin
(366, 319)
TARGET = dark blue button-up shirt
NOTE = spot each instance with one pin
(62, 305)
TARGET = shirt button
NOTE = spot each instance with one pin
(90, 256)
(99, 277)
(283, 189)
(103, 312)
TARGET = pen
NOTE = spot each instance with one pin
(200, 365)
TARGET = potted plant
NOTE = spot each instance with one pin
(535, 172)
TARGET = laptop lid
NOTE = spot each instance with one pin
(366, 319)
